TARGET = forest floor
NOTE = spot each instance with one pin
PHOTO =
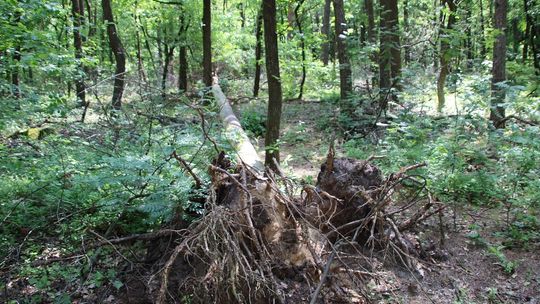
(468, 267)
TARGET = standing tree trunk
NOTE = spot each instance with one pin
(406, 48)
(532, 35)
(119, 55)
(16, 60)
(274, 83)
(182, 54)
(444, 55)
(258, 53)
(483, 50)
(302, 46)
(345, 74)
(325, 31)
(77, 14)
(390, 53)
(499, 64)
(371, 38)
(207, 42)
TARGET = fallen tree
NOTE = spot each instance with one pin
(259, 243)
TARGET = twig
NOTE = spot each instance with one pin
(198, 182)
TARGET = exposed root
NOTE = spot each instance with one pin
(257, 244)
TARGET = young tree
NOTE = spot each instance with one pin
(499, 64)
(445, 52)
(274, 83)
(77, 15)
(207, 42)
(345, 74)
(258, 52)
(325, 31)
(119, 54)
(390, 50)
(16, 57)
(302, 46)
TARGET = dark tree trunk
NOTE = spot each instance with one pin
(469, 39)
(182, 55)
(528, 24)
(182, 69)
(483, 50)
(242, 15)
(119, 55)
(499, 64)
(345, 75)
(325, 31)
(169, 52)
(77, 14)
(274, 83)
(390, 53)
(445, 53)
(371, 38)
(406, 48)
(207, 42)
(258, 53)
(302, 46)
(16, 60)
(533, 36)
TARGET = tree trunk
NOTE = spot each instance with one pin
(325, 31)
(483, 50)
(302, 46)
(169, 52)
(274, 83)
(207, 42)
(119, 55)
(534, 35)
(258, 53)
(147, 46)
(345, 74)
(499, 65)
(182, 69)
(371, 37)
(234, 133)
(77, 14)
(528, 24)
(445, 53)
(16, 60)
(390, 53)
(406, 48)
(140, 67)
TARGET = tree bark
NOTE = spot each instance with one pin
(182, 69)
(390, 53)
(16, 60)
(302, 47)
(483, 50)
(498, 71)
(119, 55)
(444, 54)
(274, 83)
(345, 74)
(258, 53)
(207, 42)
(234, 133)
(406, 48)
(325, 31)
(77, 14)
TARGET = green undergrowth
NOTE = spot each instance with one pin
(110, 178)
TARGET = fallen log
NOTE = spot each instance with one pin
(234, 132)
